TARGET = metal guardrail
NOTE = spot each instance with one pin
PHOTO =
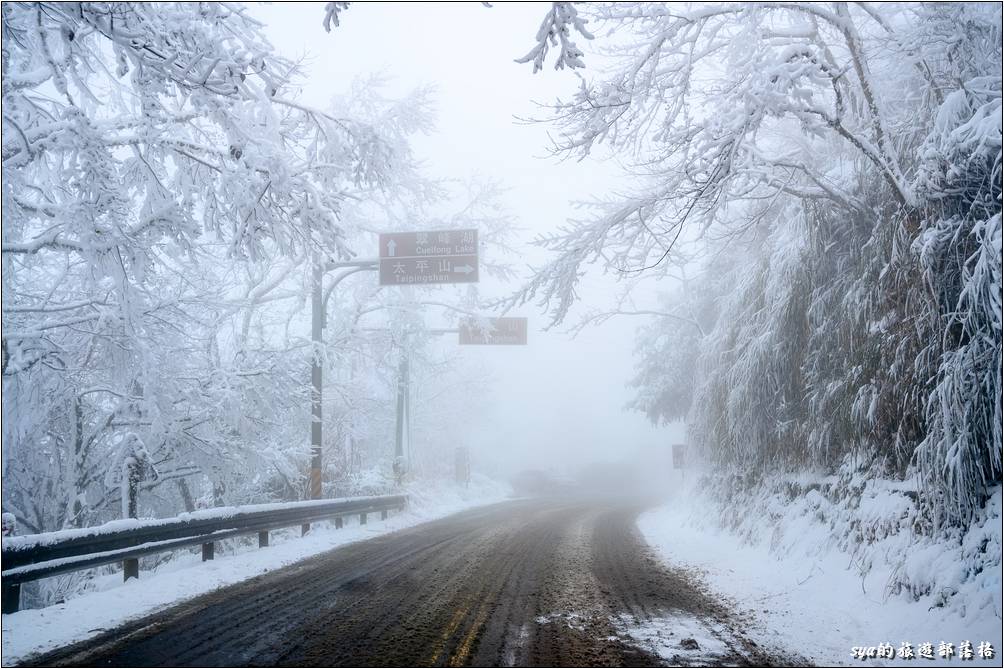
(31, 557)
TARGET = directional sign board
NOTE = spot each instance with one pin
(679, 456)
(499, 331)
(436, 256)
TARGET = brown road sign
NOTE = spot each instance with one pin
(435, 256)
(497, 331)
(679, 456)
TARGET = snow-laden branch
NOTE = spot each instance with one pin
(555, 29)
(720, 107)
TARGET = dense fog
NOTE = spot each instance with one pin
(766, 236)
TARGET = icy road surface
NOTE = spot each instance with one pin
(520, 583)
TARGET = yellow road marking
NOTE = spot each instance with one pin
(445, 636)
(460, 656)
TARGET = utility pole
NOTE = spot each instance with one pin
(404, 401)
(316, 391)
(318, 311)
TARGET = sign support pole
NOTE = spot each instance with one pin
(316, 326)
(402, 400)
(318, 309)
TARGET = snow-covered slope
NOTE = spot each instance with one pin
(822, 578)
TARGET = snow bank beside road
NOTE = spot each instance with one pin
(807, 595)
(115, 602)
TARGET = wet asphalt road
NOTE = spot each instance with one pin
(522, 583)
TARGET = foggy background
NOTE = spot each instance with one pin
(811, 195)
(556, 403)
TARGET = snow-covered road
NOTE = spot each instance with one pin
(112, 603)
(545, 582)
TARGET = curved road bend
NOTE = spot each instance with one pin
(522, 583)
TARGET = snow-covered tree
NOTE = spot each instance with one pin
(846, 159)
(159, 177)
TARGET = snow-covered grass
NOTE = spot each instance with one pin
(821, 596)
(111, 602)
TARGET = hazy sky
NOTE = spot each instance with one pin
(557, 400)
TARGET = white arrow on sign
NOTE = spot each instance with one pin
(463, 269)
(391, 245)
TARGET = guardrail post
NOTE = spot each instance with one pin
(338, 522)
(208, 550)
(131, 476)
(362, 518)
(304, 529)
(11, 598)
(383, 514)
(263, 539)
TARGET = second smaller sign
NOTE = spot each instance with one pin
(494, 331)
(679, 456)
